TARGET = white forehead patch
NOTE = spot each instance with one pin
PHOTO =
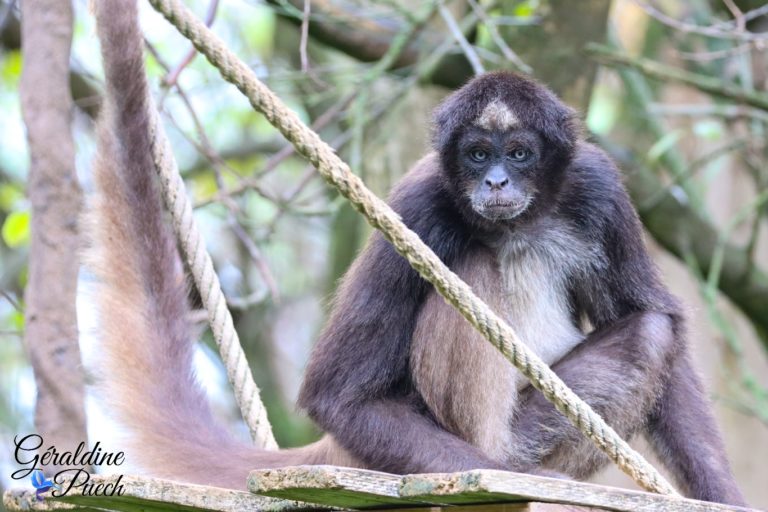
(497, 116)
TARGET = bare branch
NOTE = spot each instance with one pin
(305, 37)
(450, 21)
(498, 40)
(206, 149)
(354, 34)
(711, 31)
(715, 110)
(173, 76)
(708, 84)
(738, 16)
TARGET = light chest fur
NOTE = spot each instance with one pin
(467, 384)
(536, 268)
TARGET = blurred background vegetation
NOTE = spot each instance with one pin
(675, 90)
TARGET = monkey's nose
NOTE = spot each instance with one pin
(496, 178)
(495, 183)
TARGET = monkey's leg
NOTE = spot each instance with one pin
(394, 435)
(619, 371)
(637, 375)
(684, 434)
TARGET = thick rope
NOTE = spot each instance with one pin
(410, 246)
(199, 261)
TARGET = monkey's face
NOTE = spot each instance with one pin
(497, 170)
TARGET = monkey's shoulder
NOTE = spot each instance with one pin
(593, 195)
(422, 186)
(424, 201)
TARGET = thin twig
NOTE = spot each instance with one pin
(745, 409)
(709, 31)
(498, 40)
(745, 378)
(708, 84)
(11, 300)
(718, 255)
(5, 13)
(751, 248)
(305, 36)
(469, 51)
(738, 16)
(244, 303)
(275, 160)
(206, 149)
(691, 171)
(748, 16)
(398, 45)
(705, 110)
(173, 76)
(715, 54)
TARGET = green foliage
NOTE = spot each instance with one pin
(202, 186)
(666, 143)
(259, 29)
(10, 68)
(16, 320)
(10, 195)
(708, 129)
(604, 109)
(526, 9)
(15, 231)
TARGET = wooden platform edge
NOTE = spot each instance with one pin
(152, 494)
(334, 486)
(489, 486)
(363, 489)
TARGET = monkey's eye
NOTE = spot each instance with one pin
(519, 154)
(478, 155)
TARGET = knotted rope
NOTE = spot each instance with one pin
(409, 245)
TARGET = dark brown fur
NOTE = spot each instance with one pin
(398, 380)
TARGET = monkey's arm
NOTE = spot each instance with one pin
(634, 368)
(357, 385)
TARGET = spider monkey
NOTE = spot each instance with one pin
(515, 201)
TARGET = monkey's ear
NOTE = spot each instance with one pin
(559, 124)
(449, 116)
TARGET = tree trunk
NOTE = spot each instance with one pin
(51, 335)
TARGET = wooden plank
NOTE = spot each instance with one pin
(535, 506)
(333, 486)
(150, 494)
(489, 486)
(23, 499)
(508, 507)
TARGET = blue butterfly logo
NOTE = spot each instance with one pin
(42, 484)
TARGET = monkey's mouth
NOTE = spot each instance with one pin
(501, 209)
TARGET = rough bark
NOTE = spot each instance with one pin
(51, 335)
(84, 92)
